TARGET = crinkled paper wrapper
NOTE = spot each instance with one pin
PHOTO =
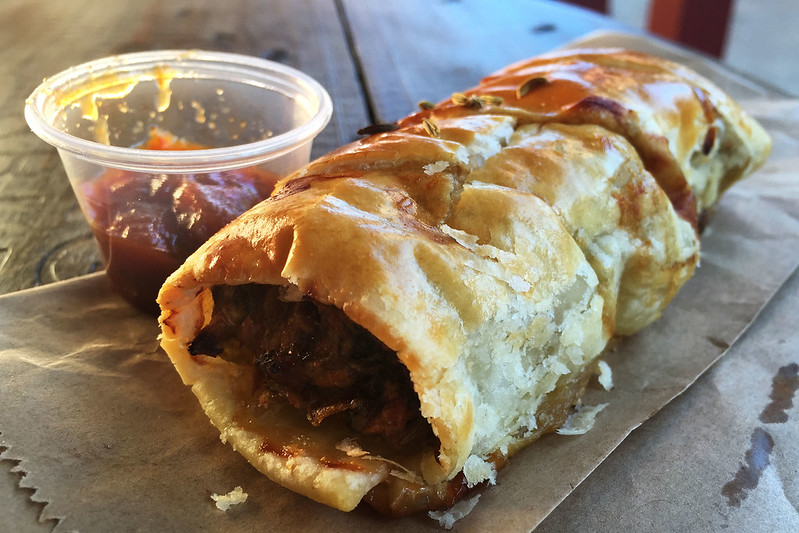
(108, 438)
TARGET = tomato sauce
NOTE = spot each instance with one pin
(148, 224)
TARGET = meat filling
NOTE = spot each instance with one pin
(315, 358)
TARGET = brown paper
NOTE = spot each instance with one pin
(723, 456)
(110, 439)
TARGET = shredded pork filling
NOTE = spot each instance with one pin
(315, 358)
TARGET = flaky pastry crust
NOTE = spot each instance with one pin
(494, 243)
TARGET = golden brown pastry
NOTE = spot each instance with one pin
(691, 136)
(407, 311)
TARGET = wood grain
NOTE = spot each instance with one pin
(412, 50)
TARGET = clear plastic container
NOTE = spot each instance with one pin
(163, 148)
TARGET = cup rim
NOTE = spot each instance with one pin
(237, 66)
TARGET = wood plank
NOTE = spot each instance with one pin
(43, 235)
(460, 42)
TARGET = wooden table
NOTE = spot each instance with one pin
(376, 59)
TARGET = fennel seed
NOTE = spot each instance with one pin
(431, 128)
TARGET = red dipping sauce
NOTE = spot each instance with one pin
(147, 224)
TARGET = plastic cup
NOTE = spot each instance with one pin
(164, 148)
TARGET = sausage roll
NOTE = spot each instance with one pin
(404, 313)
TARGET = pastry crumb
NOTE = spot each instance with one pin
(605, 377)
(476, 470)
(351, 448)
(582, 420)
(226, 501)
(447, 518)
(434, 168)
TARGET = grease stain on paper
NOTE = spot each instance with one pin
(757, 458)
(783, 389)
